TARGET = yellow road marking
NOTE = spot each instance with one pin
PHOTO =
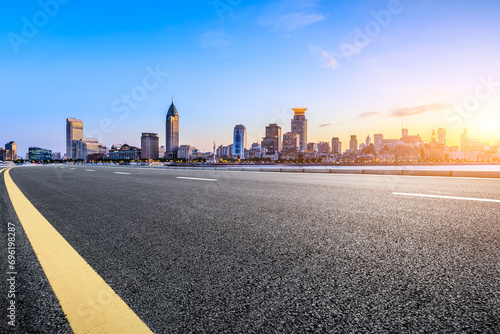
(90, 305)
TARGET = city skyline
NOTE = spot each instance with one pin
(418, 62)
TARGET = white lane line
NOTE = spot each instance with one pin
(122, 173)
(451, 197)
(195, 178)
(90, 170)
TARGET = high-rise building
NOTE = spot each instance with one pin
(368, 141)
(161, 152)
(2, 154)
(336, 145)
(172, 131)
(239, 141)
(353, 144)
(433, 136)
(299, 126)
(291, 142)
(441, 136)
(11, 151)
(74, 132)
(272, 141)
(377, 141)
(404, 133)
(464, 141)
(150, 146)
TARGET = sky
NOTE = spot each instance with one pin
(359, 67)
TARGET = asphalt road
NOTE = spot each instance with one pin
(254, 252)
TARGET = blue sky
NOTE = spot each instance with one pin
(248, 62)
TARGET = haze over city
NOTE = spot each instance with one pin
(360, 68)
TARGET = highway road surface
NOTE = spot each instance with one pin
(190, 251)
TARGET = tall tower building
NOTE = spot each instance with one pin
(441, 136)
(272, 141)
(299, 126)
(433, 136)
(74, 133)
(336, 145)
(239, 141)
(353, 144)
(368, 141)
(377, 141)
(11, 150)
(172, 130)
(150, 146)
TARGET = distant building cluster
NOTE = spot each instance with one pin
(275, 146)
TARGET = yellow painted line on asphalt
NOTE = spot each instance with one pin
(90, 305)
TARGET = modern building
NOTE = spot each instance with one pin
(56, 155)
(185, 152)
(291, 144)
(353, 144)
(377, 141)
(272, 141)
(299, 126)
(124, 152)
(74, 132)
(150, 146)
(172, 131)
(336, 146)
(368, 141)
(312, 147)
(441, 136)
(88, 146)
(239, 141)
(323, 147)
(161, 152)
(11, 151)
(2, 154)
(39, 154)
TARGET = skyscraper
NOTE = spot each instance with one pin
(299, 126)
(441, 136)
(353, 144)
(368, 141)
(272, 141)
(74, 132)
(336, 145)
(291, 143)
(172, 131)
(11, 151)
(150, 146)
(377, 141)
(239, 141)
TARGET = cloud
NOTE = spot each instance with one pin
(406, 111)
(370, 114)
(324, 125)
(328, 61)
(290, 15)
(411, 111)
